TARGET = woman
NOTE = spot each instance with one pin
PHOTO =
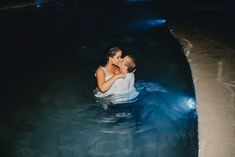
(108, 74)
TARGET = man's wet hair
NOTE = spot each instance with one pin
(131, 65)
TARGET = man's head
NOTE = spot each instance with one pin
(128, 64)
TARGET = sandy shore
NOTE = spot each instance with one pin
(212, 62)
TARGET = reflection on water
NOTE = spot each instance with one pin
(67, 121)
(161, 122)
(114, 99)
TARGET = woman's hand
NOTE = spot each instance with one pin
(120, 75)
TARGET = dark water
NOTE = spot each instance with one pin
(50, 56)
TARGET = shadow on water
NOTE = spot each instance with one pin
(49, 109)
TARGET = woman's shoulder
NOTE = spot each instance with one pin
(100, 69)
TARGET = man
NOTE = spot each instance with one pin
(123, 89)
(124, 85)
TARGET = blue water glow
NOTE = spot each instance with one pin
(155, 22)
(149, 23)
(139, 24)
(38, 3)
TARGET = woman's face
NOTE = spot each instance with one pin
(116, 59)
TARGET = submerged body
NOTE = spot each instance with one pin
(123, 89)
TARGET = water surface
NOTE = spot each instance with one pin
(49, 109)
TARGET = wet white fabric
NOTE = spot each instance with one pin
(123, 89)
(123, 85)
(127, 97)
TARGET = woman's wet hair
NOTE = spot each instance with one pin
(112, 52)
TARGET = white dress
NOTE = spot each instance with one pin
(123, 89)
(107, 93)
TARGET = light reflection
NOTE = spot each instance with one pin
(186, 104)
(38, 3)
(190, 103)
(147, 24)
(155, 22)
